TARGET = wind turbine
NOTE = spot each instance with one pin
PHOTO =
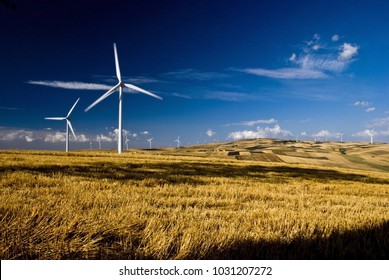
(126, 143)
(151, 139)
(178, 141)
(120, 85)
(68, 124)
(371, 132)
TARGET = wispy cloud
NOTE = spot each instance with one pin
(365, 104)
(228, 96)
(380, 122)
(252, 123)
(9, 108)
(71, 85)
(194, 74)
(286, 73)
(180, 95)
(362, 104)
(317, 60)
(266, 132)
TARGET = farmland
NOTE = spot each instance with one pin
(252, 199)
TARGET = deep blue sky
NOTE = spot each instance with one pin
(227, 70)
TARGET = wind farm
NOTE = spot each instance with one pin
(271, 142)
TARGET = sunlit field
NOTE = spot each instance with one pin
(166, 205)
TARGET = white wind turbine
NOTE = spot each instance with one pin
(68, 124)
(371, 132)
(151, 139)
(126, 143)
(341, 137)
(178, 141)
(120, 85)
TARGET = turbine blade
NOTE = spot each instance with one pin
(105, 95)
(71, 128)
(117, 63)
(143, 91)
(56, 118)
(72, 108)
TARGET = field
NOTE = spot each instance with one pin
(257, 199)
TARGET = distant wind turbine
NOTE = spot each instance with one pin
(151, 139)
(178, 141)
(120, 86)
(68, 124)
(126, 143)
(371, 132)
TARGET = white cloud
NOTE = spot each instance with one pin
(103, 138)
(316, 61)
(348, 51)
(335, 38)
(326, 134)
(55, 137)
(29, 138)
(229, 96)
(181, 95)
(362, 104)
(259, 133)
(365, 104)
(18, 134)
(365, 133)
(9, 108)
(144, 132)
(210, 133)
(293, 57)
(321, 62)
(82, 138)
(252, 123)
(286, 73)
(322, 133)
(380, 122)
(194, 74)
(71, 85)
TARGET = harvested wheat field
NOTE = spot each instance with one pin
(197, 203)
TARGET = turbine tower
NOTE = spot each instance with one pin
(126, 143)
(371, 132)
(178, 141)
(151, 139)
(68, 124)
(120, 85)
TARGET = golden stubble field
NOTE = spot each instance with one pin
(166, 205)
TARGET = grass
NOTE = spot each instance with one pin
(145, 205)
